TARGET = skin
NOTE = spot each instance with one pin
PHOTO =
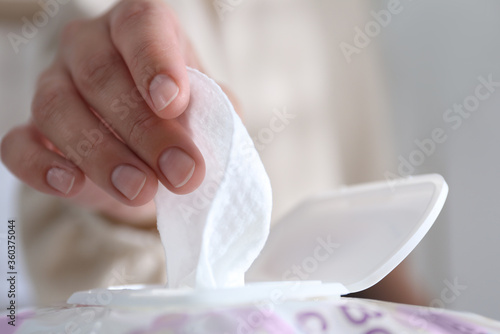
(103, 63)
(397, 287)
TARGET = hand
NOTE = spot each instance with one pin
(104, 113)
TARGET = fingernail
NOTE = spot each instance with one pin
(177, 166)
(128, 180)
(60, 179)
(163, 91)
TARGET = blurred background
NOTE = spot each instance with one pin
(433, 55)
(417, 73)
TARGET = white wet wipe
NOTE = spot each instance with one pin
(213, 235)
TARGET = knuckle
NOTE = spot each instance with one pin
(96, 150)
(131, 12)
(96, 71)
(87, 152)
(140, 128)
(149, 52)
(48, 103)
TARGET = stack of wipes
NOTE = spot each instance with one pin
(212, 236)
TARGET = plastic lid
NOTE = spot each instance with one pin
(355, 236)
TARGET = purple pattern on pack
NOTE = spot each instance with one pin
(237, 321)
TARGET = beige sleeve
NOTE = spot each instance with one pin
(68, 249)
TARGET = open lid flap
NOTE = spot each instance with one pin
(355, 236)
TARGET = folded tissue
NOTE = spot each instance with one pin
(213, 235)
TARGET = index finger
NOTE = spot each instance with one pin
(145, 33)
